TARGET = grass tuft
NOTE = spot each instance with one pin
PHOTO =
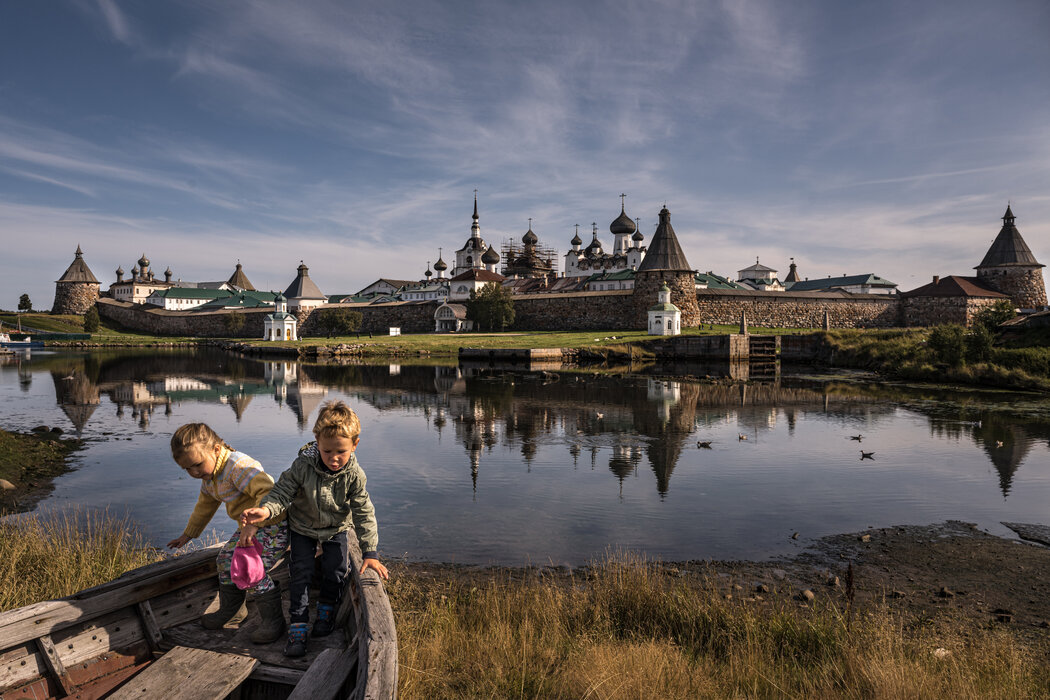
(46, 557)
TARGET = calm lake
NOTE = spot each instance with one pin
(555, 468)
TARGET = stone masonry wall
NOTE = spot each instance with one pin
(803, 310)
(935, 311)
(74, 297)
(1025, 286)
(206, 324)
(683, 295)
(610, 310)
(411, 317)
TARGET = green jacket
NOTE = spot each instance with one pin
(322, 503)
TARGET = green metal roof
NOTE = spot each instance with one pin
(664, 307)
(192, 293)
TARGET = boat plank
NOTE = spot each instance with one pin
(55, 665)
(23, 624)
(149, 624)
(189, 674)
(326, 676)
(20, 665)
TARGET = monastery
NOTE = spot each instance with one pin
(597, 288)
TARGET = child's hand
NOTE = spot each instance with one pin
(252, 516)
(179, 542)
(375, 566)
(247, 533)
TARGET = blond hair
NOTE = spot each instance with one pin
(336, 419)
(194, 436)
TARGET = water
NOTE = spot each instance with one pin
(555, 468)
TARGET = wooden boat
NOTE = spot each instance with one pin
(139, 636)
(24, 344)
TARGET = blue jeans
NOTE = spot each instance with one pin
(335, 567)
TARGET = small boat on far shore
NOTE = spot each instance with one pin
(24, 343)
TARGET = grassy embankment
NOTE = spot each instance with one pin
(630, 630)
(68, 323)
(24, 459)
(907, 354)
(627, 629)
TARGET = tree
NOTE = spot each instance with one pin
(491, 308)
(234, 322)
(979, 343)
(91, 320)
(338, 321)
(947, 344)
(24, 304)
(991, 316)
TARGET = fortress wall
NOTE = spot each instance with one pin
(800, 310)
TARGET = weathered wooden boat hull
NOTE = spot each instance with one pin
(90, 644)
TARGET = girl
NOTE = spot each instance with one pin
(238, 481)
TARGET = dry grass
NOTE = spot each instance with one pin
(630, 631)
(49, 557)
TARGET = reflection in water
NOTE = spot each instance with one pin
(475, 463)
(631, 419)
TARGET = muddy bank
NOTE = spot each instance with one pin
(948, 576)
(28, 463)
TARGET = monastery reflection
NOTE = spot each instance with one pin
(621, 423)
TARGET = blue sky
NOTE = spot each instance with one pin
(881, 137)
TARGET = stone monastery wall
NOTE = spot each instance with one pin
(799, 309)
(934, 311)
(607, 310)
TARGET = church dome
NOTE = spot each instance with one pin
(120, 269)
(529, 238)
(143, 262)
(491, 257)
(576, 240)
(440, 265)
(637, 236)
(622, 225)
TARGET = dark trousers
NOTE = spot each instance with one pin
(335, 567)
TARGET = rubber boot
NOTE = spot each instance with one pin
(325, 621)
(296, 645)
(271, 617)
(231, 608)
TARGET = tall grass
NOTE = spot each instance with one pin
(630, 631)
(44, 557)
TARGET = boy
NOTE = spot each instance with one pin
(324, 494)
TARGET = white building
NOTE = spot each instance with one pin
(450, 318)
(303, 293)
(760, 277)
(182, 298)
(464, 283)
(627, 250)
(280, 325)
(475, 254)
(664, 317)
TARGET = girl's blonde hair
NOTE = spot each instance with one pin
(336, 419)
(194, 435)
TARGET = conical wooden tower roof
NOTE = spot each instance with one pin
(665, 252)
(239, 279)
(1008, 248)
(78, 270)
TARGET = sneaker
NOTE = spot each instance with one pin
(296, 645)
(325, 621)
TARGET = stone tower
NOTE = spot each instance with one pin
(1010, 267)
(76, 290)
(665, 263)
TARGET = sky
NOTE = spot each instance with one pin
(883, 137)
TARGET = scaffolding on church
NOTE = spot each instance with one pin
(511, 251)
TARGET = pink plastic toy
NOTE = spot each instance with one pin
(246, 567)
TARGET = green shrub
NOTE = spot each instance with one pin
(91, 320)
(979, 343)
(946, 344)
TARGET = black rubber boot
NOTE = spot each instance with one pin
(231, 608)
(271, 617)
(325, 621)
(296, 645)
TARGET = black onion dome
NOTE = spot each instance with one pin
(440, 265)
(120, 269)
(491, 257)
(622, 225)
(576, 240)
(529, 237)
(143, 261)
(637, 236)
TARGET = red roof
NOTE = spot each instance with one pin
(478, 276)
(955, 286)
